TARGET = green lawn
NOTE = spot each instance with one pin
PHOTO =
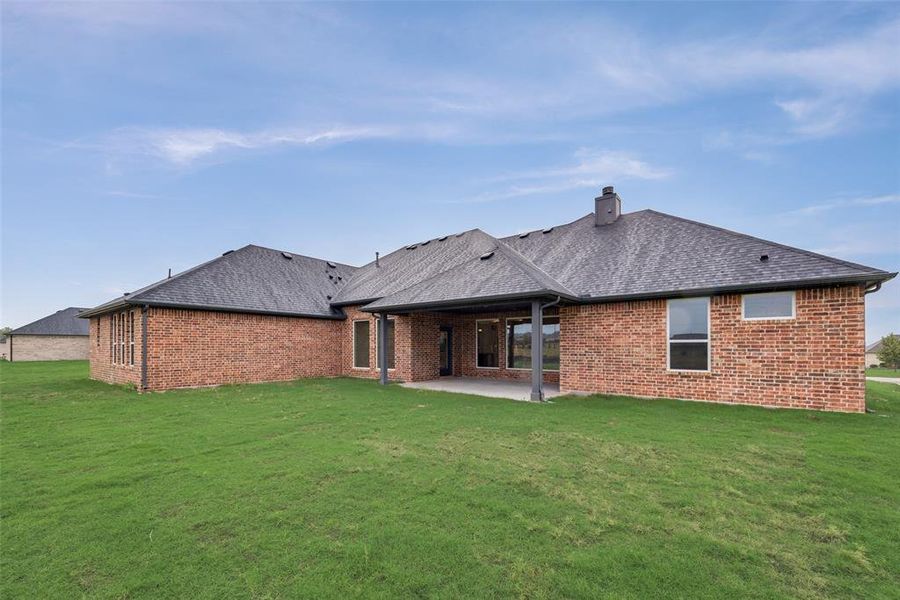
(341, 488)
(880, 372)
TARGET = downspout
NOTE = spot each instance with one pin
(144, 310)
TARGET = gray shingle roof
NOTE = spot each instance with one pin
(251, 279)
(62, 322)
(412, 264)
(498, 274)
(649, 253)
(642, 254)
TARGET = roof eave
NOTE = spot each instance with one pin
(211, 308)
(458, 303)
(866, 278)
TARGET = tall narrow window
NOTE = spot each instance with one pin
(112, 338)
(390, 343)
(98, 331)
(361, 344)
(131, 339)
(518, 343)
(487, 344)
(689, 334)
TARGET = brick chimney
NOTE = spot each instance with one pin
(607, 207)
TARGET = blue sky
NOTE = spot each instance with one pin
(139, 137)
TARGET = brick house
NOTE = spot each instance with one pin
(60, 336)
(640, 304)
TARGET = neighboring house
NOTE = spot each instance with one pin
(872, 351)
(639, 304)
(4, 347)
(60, 336)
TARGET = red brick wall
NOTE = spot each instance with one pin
(812, 361)
(417, 352)
(189, 348)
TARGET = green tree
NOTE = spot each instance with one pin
(889, 353)
(5, 331)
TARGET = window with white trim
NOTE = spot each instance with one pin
(390, 343)
(131, 338)
(518, 343)
(772, 305)
(487, 344)
(688, 325)
(121, 338)
(361, 344)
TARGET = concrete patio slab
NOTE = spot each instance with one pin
(894, 380)
(492, 388)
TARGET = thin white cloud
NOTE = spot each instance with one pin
(182, 147)
(591, 169)
(845, 203)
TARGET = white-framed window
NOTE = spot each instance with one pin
(121, 337)
(390, 343)
(771, 305)
(361, 344)
(518, 343)
(688, 331)
(487, 344)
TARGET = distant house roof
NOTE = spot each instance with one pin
(640, 254)
(62, 322)
(876, 346)
(251, 279)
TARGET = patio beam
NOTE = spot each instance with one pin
(537, 351)
(382, 348)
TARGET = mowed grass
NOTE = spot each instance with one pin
(342, 488)
(882, 372)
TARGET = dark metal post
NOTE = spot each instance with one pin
(537, 352)
(382, 347)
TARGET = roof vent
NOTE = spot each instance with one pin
(328, 297)
(548, 230)
(331, 264)
(607, 207)
(460, 234)
(287, 255)
(524, 235)
(487, 255)
(227, 252)
(425, 243)
(411, 247)
(330, 276)
(441, 239)
(764, 258)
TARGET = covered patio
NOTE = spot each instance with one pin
(479, 386)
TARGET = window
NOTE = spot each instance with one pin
(131, 339)
(689, 334)
(775, 305)
(361, 344)
(518, 343)
(98, 332)
(390, 344)
(112, 338)
(487, 344)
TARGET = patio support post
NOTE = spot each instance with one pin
(537, 352)
(382, 347)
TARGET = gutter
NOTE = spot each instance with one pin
(229, 309)
(457, 303)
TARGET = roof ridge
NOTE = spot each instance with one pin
(325, 260)
(538, 274)
(832, 259)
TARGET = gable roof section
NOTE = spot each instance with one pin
(62, 322)
(252, 279)
(412, 264)
(498, 275)
(648, 253)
